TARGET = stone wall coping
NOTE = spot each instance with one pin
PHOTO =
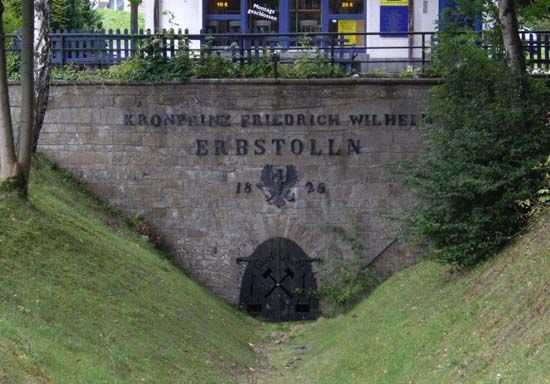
(266, 81)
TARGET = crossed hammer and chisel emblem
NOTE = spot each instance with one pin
(278, 283)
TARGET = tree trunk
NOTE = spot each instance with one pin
(156, 15)
(510, 34)
(411, 29)
(8, 160)
(42, 53)
(27, 92)
(134, 17)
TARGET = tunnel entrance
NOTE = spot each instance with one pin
(278, 282)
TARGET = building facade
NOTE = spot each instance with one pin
(295, 16)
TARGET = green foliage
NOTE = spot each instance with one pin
(12, 62)
(345, 279)
(483, 143)
(74, 14)
(214, 65)
(313, 64)
(12, 22)
(12, 15)
(534, 14)
(151, 64)
(541, 200)
(72, 73)
(111, 19)
(60, 15)
(353, 287)
(258, 68)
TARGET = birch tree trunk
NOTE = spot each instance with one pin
(8, 160)
(27, 93)
(42, 54)
(510, 33)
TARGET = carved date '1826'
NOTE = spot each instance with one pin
(310, 187)
(276, 185)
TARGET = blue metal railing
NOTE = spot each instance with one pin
(368, 52)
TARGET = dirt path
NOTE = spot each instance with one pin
(278, 358)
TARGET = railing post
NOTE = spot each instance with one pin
(61, 44)
(366, 40)
(423, 51)
(546, 50)
(332, 50)
(539, 50)
(241, 51)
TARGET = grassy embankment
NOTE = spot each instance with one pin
(84, 302)
(426, 325)
(111, 19)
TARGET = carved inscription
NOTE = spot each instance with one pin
(273, 146)
(278, 147)
(269, 120)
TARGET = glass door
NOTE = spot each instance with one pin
(222, 16)
(348, 16)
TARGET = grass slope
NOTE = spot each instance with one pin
(425, 325)
(111, 19)
(83, 303)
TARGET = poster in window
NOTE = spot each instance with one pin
(394, 16)
(394, 3)
(348, 26)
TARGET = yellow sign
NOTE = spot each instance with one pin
(397, 3)
(348, 26)
(346, 4)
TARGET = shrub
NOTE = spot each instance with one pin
(261, 67)
(483, 143)
(71, 14)
(12, 15)
(214, 65)
(312, 63)
(150, 63)
(344, 278)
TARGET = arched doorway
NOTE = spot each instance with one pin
(278, 282)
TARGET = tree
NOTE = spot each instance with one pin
(74, 14)
(60, 15)
(42, 54)
(9, 169)
(485, 137)
(510, 35)
(15, 168)
(134, 5)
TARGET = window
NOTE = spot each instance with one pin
(305, 15)
(263, 16)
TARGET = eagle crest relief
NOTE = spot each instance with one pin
(276, 184)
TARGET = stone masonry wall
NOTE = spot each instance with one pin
(188, 156)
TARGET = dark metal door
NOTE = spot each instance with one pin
(278, 282)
